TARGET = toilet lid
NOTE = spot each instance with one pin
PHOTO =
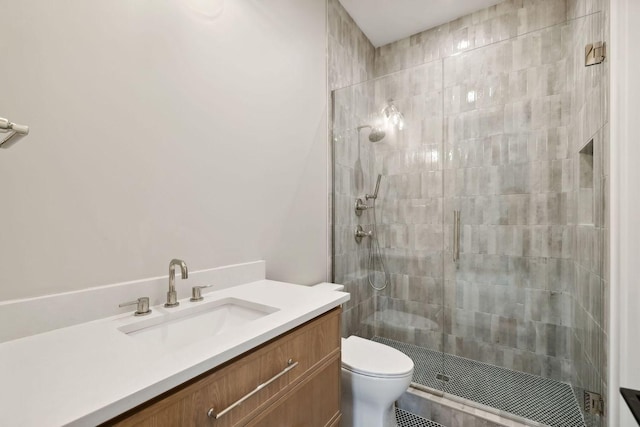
(374, 359)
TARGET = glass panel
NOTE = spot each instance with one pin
(523, 302)
(353, 161)
(404, 257)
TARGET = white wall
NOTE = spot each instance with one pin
(159, 132)
(625, 201)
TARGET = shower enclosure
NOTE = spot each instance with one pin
(490, 219)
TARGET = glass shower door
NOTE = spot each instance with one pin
(520, 169)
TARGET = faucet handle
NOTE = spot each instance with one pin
(196, 294)
(142, 306)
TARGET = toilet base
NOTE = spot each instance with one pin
(359, 414)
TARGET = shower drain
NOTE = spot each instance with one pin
(442, 377)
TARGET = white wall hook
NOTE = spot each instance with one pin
(13, 130)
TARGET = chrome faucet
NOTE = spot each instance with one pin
(172, 295)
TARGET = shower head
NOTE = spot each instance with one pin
(375, 135)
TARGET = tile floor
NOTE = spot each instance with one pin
(532, 397)
(407, 419)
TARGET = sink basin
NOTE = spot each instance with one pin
(189, 324)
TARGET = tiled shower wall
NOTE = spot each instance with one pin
(499, 109)
(350, 57)
(350, 54)
(503, 21)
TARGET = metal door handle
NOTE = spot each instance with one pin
(456, 235)
(211, 412)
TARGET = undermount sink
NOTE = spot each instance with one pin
(190, 324)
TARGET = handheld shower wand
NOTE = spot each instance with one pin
(375, 192)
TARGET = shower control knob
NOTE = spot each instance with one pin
(360, 206)
(360, 234)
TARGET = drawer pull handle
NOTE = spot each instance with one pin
(211, 412)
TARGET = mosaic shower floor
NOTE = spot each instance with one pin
(536, 398)
(407, 419)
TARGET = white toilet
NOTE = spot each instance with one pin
(374, 376)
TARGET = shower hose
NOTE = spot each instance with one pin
(374, 250)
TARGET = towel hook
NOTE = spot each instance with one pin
(13, 128)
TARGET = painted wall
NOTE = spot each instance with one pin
(162, 130)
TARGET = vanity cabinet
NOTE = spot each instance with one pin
(292, 380)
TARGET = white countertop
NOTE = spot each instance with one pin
(89, 373)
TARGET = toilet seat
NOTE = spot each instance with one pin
(373, 359)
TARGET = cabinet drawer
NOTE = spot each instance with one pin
(268, 370)
(281, 363)
(314, 402)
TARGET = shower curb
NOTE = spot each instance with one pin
(442, 409)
